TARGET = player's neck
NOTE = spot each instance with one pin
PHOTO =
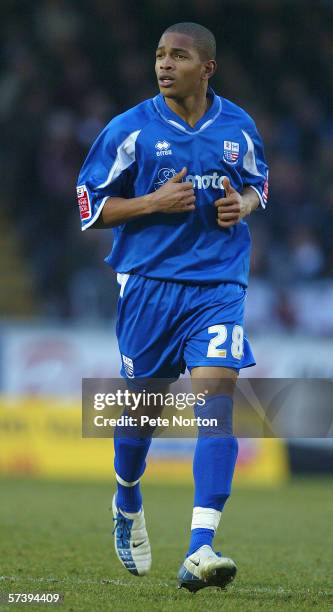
(190, 109)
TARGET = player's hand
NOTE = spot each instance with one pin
(232, 208)
(174, 196)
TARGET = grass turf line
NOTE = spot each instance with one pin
(56, 537)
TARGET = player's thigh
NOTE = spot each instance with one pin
(147, 347)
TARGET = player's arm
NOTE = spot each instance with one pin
(235, 206)
(105, 183)
(173, 197)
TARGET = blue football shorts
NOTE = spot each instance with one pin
(164, 327)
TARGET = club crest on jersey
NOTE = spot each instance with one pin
(84, 202)
(163, 148)
(230, 152)
(128, 366)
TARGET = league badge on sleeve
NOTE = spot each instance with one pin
(266, 189)
(84, 202)
(230, 152)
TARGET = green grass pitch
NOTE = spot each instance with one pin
(56, 537)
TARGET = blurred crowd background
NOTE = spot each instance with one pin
(69, 66)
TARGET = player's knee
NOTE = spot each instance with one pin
(214, 381)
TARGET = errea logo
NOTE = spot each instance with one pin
(163, 148)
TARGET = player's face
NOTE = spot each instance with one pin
(180, 71)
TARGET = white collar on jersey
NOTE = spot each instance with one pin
(163, 110)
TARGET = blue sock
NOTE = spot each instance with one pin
(129, 499)
(129, 464)
(200, 537)
(213, 468)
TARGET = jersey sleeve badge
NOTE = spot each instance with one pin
(265, 190)
(84, 202)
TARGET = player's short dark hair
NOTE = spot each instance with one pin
(204, 39)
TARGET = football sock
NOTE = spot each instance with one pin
(129, 464)
(213, 468)
(200, 537)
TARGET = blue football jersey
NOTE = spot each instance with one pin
(138, 151)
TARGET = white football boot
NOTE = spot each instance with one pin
(206, 568)
(131, 540)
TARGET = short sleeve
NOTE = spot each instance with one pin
(105, 171)
(255, 169)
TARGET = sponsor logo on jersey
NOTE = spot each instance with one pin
(84, 202)
(164, 175)
(204, 181)
(214, 180)
(128, 366)
(230, 152)
(163, 148)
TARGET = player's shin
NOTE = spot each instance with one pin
(213, 468)
(131, 450)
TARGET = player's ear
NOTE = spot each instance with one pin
(209, 68)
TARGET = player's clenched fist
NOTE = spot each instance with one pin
(174, 196)
(232, 208)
